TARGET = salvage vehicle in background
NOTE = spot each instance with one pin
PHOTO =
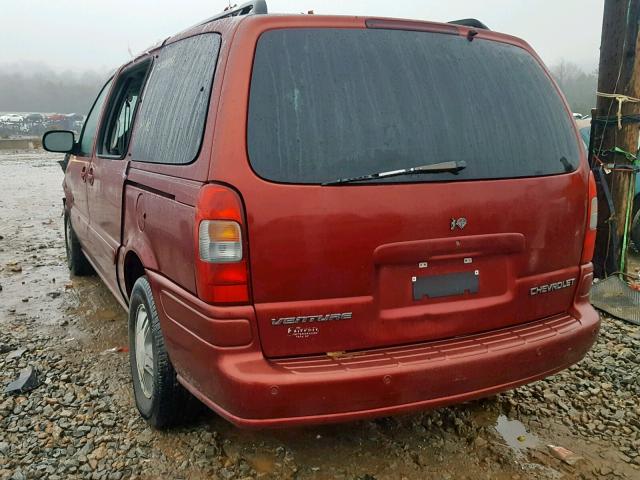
(12, 118)
(585, 133)
(635, 223)
(302, 234)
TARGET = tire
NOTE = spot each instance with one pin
(76, 260)
(160, 399)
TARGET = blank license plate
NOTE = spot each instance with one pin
(445, 285)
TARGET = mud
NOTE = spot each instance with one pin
(504, 437)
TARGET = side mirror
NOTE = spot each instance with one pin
(59, 141)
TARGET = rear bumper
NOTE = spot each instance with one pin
(252, 391)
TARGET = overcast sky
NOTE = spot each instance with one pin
(98, 34)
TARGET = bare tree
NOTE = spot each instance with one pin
(579, 87)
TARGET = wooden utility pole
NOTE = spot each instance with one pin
(619, 73)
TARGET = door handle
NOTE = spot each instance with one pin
(90, 176)
(83, 173)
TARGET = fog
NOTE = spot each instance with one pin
(38, 88)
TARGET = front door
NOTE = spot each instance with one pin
(108, 170)
(78, 167)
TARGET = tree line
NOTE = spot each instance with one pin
(578, 86)
(43, 90)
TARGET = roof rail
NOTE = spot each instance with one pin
(255, 7)
(470, 22)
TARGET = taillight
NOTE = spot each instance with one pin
(221, 260)
(592, 222)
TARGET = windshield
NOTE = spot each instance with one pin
(339, 103)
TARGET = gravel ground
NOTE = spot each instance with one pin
(80, 422)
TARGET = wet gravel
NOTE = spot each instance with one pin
(599, 397)
(76, 424)
(80, 422)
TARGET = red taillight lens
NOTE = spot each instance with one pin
(592, 222)
(221, 261)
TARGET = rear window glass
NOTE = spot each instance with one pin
(335, 103)
(173, 111)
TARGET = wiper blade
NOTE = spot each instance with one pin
(450, 167)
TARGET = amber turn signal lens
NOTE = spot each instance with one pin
(224, 231)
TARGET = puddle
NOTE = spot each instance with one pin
(484, 413)
(262, 463)
(515, 434)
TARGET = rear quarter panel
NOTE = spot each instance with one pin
(159, 215)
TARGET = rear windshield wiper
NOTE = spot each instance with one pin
(451, 167)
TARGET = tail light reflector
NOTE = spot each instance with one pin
(221, 261)
(592, 222)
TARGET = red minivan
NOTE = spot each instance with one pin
(314, 219)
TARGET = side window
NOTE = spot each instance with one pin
(173, 111)
(116, 129)
(88, 134)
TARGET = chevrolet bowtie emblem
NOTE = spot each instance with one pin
(458, 223)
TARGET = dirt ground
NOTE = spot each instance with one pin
(81, 421)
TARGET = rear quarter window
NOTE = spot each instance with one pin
(335, 103)
(171, 118)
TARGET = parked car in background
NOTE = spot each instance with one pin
(585, 133)
(12, 118)
(35, 124)
(303, 235)
(34, 118)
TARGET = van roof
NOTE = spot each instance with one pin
(256, 12)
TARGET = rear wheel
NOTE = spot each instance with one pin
(76, 260)
(160, 399)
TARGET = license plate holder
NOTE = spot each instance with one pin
(445, 285)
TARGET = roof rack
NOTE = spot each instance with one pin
(256, 7)
(470, 22)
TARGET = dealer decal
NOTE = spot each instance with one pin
(552, 287)
(302, 331)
